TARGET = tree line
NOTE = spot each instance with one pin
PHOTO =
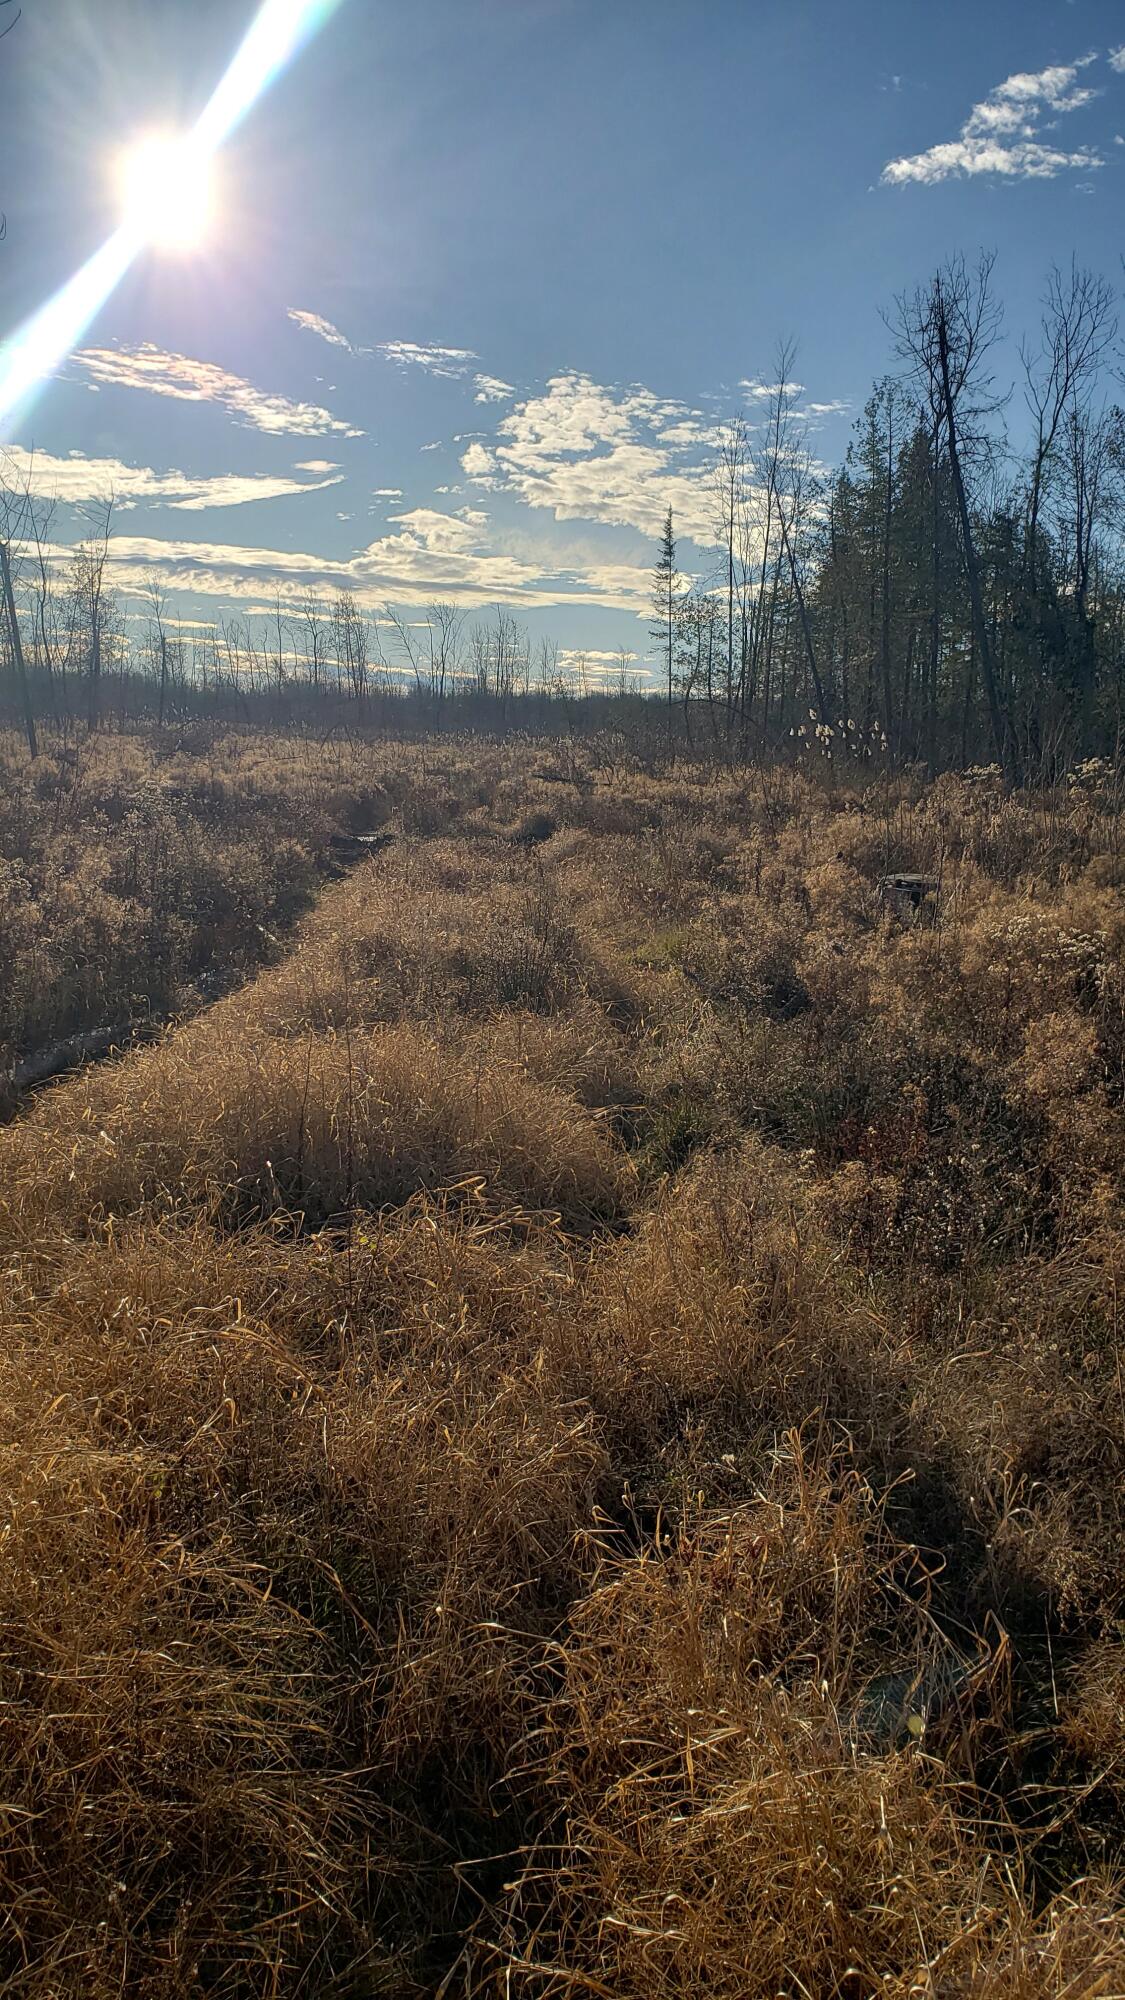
(943, 596)
(71, 648)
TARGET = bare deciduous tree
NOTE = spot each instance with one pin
(158, 638)
(14, 511)
(730, 481)
(1078, 327)
(946, 330)
(309, 632)
(786, 472)
(350, 644)
(432, 649)
(92, 608)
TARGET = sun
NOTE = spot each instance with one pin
(165, 182)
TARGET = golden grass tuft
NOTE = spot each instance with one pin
(242, 1124)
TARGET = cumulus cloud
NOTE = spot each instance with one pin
(478, 465)
(490, 389)
(76, 480)
(620, 456)
(690, 434)
(1001, 134)
(189, 381)
(614, 456)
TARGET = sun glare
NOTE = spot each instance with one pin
(166, 187)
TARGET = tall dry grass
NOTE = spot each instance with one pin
(567, 1436)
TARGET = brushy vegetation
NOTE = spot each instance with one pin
(566, 1436)
(138, 871)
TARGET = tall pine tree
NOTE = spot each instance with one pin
(665, 594)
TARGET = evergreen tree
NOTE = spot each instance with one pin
(665, 596)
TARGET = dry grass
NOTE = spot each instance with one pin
(759, 1758)
(569, 1436)
(241, 1124)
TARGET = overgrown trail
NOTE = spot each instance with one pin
(567, 1436)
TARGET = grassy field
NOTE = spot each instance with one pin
(565, 1434)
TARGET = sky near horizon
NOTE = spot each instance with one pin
(484, 276)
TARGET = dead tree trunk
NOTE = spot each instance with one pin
(17, 648)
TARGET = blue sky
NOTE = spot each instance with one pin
(485, 274)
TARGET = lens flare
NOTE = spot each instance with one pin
(37, 348)
(278, 33)
(279, 30)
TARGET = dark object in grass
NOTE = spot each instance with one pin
(534, 830)
(909, 897)
(350, 847)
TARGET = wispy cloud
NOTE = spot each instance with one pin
(76, 480)
(762, 391)
(187, 380)
(490, 389)
(599, 668)
(1001, 134)
(387, 493)
(430, 555)
(446, 361)
(323, 328)
(451, 363)
(1117, 59)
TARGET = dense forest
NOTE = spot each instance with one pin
(952, 594)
